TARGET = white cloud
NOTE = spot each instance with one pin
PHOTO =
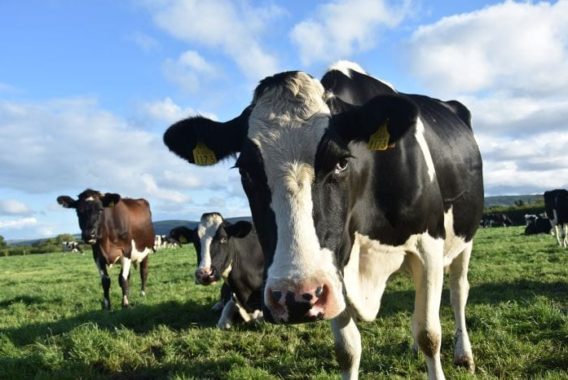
(144, 41)
(18, 223)
(166, 111)
(344, 27)
(518, 47)
(153, 189)
(13, 207)
(188, 70)
(234, 27)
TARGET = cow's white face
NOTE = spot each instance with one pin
(286, 126)
(205, 232)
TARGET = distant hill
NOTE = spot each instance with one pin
(162, 227)
(509, 200)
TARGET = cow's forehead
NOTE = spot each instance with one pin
(287, 122)
(209, 224)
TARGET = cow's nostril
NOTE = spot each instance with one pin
(319, 291)
(307, 296)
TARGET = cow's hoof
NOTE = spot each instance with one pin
(143, 293)
(466, 362)
(105, 305)
(125, 306)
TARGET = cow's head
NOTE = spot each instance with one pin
(206, 230)
(89, 207)
(221, 248)
(297, 163)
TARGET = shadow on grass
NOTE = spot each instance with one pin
(394, 302)
(26, 300)
(140, 319)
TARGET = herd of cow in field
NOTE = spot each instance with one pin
(348, 182)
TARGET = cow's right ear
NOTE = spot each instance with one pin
(239, 229)
(380, 122)
(202, 141)
(110, 199)
(66, 201)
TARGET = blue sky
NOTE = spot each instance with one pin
(87, 89)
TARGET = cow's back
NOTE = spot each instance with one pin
(456, 159)
(134, 221)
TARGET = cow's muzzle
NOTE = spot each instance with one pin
(206, 276)
(300, 303)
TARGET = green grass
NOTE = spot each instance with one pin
(52, 325)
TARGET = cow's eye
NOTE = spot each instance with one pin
(341, 166)
(223, 240)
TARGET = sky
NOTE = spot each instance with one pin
(87, 89)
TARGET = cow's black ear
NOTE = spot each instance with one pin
(202, 141)
(380, 122)
(66, 201)
(110, 199)
(239, 229)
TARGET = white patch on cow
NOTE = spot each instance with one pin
(125, 262)
(90, 199)
(287, 123)
(346, 67)
(227, 271)
(419, 134)
(206, 230)
(453, 245)
(137, 256)
(365, 275)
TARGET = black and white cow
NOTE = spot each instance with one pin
(556, 207)
(536, 224)
(349, 181)
(236, 256)
(231, 252)
(72, 246)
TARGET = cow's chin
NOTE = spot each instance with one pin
(207, 280)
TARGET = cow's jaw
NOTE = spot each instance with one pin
(287, 124)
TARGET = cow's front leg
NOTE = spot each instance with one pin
(427, 269)
(143, 275)
(123, 280)
(105, 279)
(347, 345)
(459, 289)
(226, 320)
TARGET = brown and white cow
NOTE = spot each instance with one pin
(348, 181)
(119, 230)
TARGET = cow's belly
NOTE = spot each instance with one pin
(137, 256)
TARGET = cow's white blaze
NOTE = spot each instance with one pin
(286, 125)
(206, 230)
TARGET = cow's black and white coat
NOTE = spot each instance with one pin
(556, 208)
(349, 181)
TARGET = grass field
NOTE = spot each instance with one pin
(52, 325)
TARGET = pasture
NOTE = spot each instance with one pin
(52, 325)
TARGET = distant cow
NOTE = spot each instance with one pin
(72, 246)
(556, 207)
(119, 230)
(185, 235)
(349, 180)
(164, 241)
(537, 225)
(496, 220)
(236, 256)
(231, 252)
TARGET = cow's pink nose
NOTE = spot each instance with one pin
(304, 304)
(205, 276)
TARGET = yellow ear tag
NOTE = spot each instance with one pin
(202, 155)
(380, 139)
